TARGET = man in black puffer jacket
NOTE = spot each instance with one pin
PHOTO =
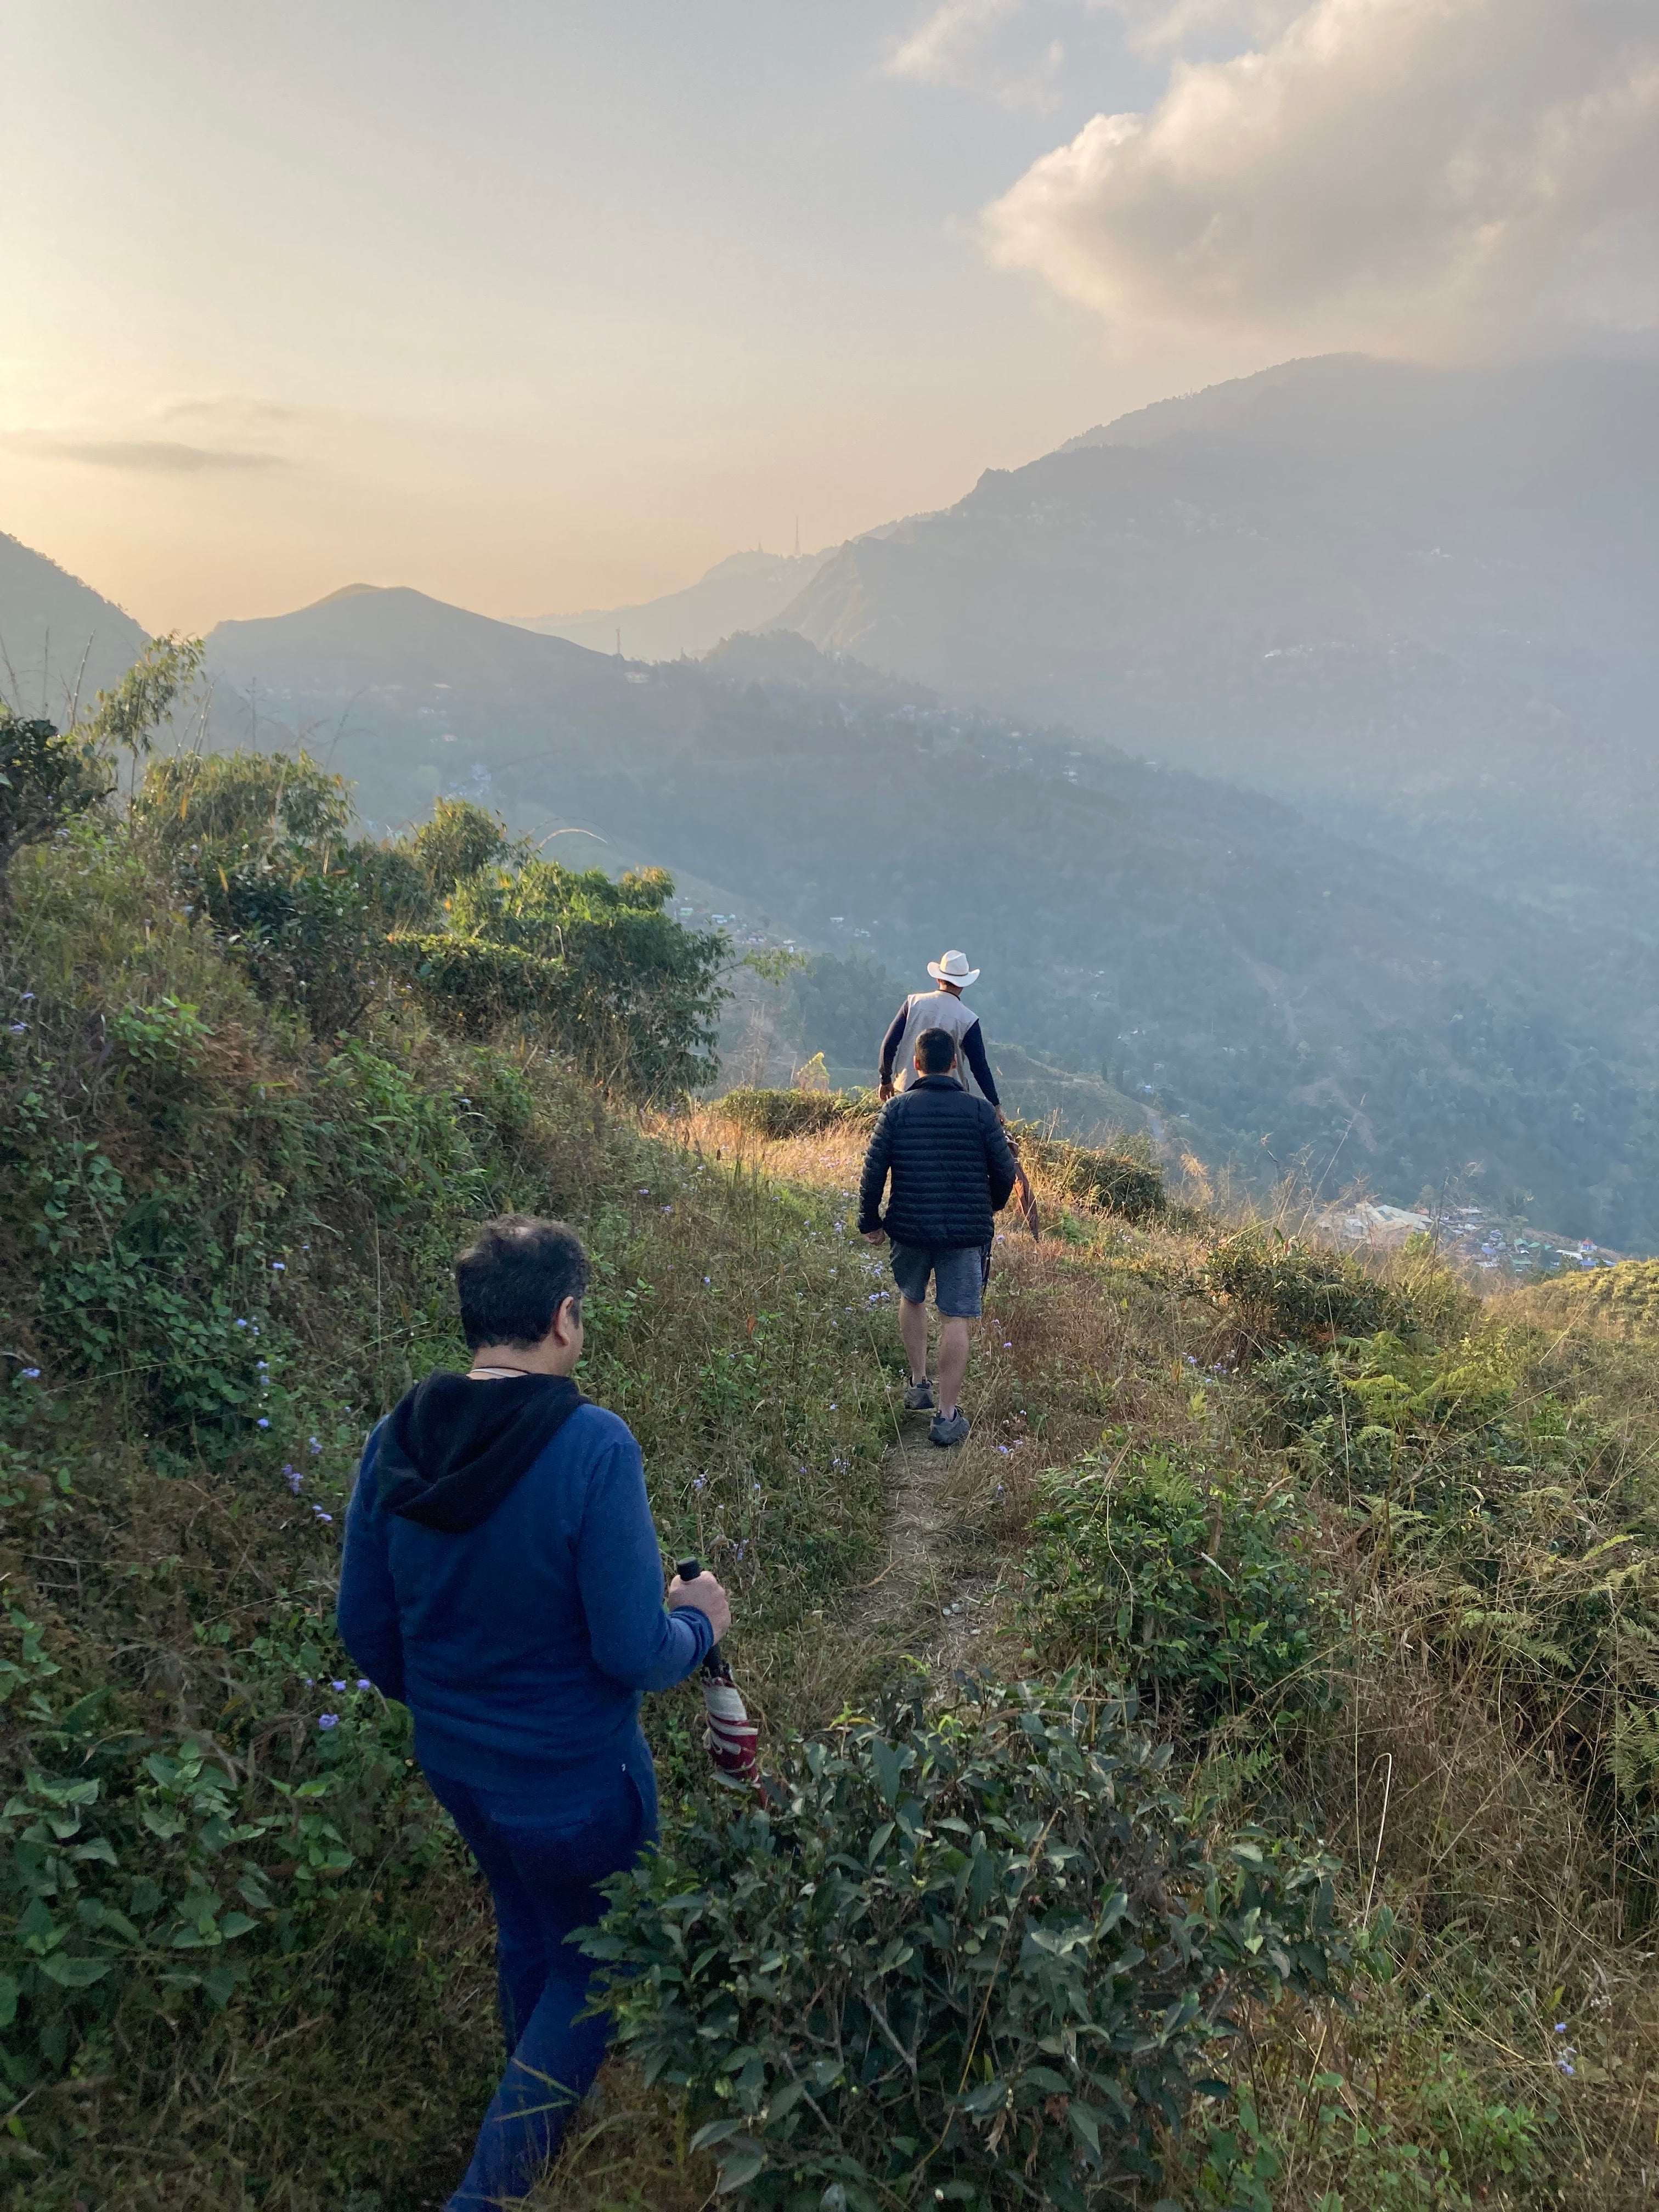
(952, 1171)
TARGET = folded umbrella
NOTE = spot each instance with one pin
(1028, 1211)
(731, 1740)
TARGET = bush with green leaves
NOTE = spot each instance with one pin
(1275, 1289)
(50, 778)
(598, 968)
(261, 844)
(145, 1876)
(1192, 1582)
(1102, 1181)
(780, 1114)
(46, 780)
(978, 1955)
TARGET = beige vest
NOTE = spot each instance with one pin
(935, 1009)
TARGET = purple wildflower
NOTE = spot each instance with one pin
(328, 1720)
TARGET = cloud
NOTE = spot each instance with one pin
(1426, 172)
(1152, 25)
(154, 456)
(957, 46)
(229, 414)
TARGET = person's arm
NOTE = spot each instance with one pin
(889, 1045)
(873, 1182)
(619, 1572)
(1000, 1161)
(972, 1049)
(367, 1611)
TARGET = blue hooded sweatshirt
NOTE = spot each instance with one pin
(520, 1644)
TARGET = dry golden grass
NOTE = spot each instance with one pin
(1451, 1809)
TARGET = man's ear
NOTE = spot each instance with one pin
(566, 1319)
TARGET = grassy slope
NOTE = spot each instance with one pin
(155, 1542)
(187, 1195)
(1461, 1770)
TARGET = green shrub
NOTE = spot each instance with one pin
(978, 1956)
(1110, 1183)
(778, 1114)
(45, 781)
(1198, 1586)
(145, 1879)
(1277, 1289)
(597, 967)
(260, 843)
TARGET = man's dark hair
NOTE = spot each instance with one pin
(935, 1050)
(514, 1277)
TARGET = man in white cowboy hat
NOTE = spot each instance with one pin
(942, 1009)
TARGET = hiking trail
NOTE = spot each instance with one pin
(918, 1601)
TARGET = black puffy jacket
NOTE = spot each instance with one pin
(950, 1162)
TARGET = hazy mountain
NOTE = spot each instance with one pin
(1422, 602)
(1208, 950)
(745, 592)
(57, 635)
(784, 656)
(367, 635)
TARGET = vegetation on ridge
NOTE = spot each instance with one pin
(1372, 1564)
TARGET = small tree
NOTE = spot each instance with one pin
(49, 776)
(47, 779)
(596, 966)
(459, 841)
(260, 843)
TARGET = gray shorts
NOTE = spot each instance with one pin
(958, 1273)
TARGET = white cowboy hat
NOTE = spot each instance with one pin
(953, 969)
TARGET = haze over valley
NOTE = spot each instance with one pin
(1282, 754)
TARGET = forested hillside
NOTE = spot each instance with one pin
(1293, 1847)
(58, 638)
(1273, 993)
(1416, 601)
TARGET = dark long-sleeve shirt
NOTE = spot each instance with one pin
(972, 1049)
(523, 1643)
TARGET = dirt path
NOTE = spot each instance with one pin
(918, 1601)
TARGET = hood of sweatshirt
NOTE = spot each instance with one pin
(453, 1448)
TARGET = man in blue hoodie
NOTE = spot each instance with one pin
(502, 1578)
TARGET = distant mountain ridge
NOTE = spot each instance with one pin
(745, 592)
(59, 637)
(362, 633)
(1423, 602)
(1254, 981)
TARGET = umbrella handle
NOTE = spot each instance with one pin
(689, 1570)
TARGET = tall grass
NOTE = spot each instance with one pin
(1475, 1486)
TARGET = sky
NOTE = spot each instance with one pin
(544, 308)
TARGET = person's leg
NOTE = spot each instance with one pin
(913, 1328)
(523, 1953)
(559, 1862)
(952, 1361)
(959, 1277)
(911, 1269)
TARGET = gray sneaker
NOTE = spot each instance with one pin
(919, 1397)
(951, 1429)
